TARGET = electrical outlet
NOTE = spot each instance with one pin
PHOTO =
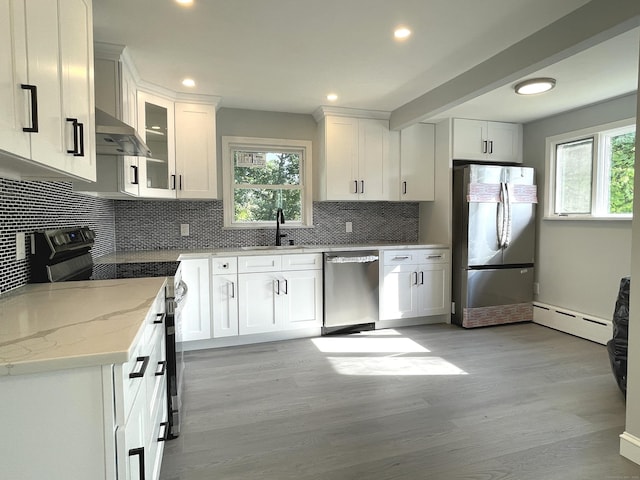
(184, 229)
(21, 252)
(348, 227)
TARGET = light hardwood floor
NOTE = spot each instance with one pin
(514, 402)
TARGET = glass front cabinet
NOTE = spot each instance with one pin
(156, 119)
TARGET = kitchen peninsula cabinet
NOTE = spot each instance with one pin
(224, 296)
(83, 388)
(354, 161)
(487, 141)
(196, 310)
(415, 284)
(47, 125)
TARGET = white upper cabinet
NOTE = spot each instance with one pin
(417, 163)
(195, 158)
(47, 121)
(354, 159)
(487, 141)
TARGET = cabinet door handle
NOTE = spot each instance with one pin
(361, 186)
(490, 146)
(404, 188)
(356, 184)
(484, 146)
(173, 182)
(277, 284)
(180, 182)
(163, 368)
(421, 278)
(233, 289)
(81, 135)
(164, 426)
(34, 107)
(286, 287)
(160, 318)
(143, 368)
(134, 169)
(140, 453)
(415, 282)
(74, 126)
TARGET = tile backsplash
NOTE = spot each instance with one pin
(147, 225)
(31, 206)
(28, 206)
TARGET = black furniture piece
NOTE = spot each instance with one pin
(618, 345)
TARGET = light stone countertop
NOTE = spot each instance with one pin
(54, 326)
(142, 256)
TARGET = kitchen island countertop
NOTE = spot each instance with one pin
(53, 326)
(142, 256)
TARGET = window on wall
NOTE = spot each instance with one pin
(590, 172)
(262, 175)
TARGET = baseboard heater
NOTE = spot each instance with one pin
(592, 328)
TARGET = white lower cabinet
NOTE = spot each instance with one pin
(196, 310)
(415, 284)
(279, 292)
(104, 422)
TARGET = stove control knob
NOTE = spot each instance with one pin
(60, 239)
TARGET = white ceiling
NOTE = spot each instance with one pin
(286, 55)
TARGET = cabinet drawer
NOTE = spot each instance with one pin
(434, 256)
(402, 257)
(224, 265)
(259, 263)
(303, 261)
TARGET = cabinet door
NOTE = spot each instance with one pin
(76, 62)
(399, 291)
(13, 72)
(259, 300)
(373, 159)
(434, 290)
(505, 142)
(196, 151)
(47, 146)
(224, 301)
(196, 311)
(417, 163)
(136, 450)
(156, 126)
(469, 137)
(302, 306)
(341, 157)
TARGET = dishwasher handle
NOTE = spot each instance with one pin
(354, 259)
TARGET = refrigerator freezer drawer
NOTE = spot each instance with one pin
(491, 287)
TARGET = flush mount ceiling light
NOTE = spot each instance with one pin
(401, 33)
(189, 82)
(332, 97)
(535, 85)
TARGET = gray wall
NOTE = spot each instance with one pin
(578, 263)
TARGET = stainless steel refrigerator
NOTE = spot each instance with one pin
(493, 244)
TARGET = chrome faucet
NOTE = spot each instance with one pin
(279, 221)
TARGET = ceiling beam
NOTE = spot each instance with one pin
(593, 23)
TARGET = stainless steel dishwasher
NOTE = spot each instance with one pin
(350, 290)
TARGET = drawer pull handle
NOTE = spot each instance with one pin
(163, 368)
(143, 368)
(432, 257)
(140, 453)
(164, 428)
(160, 318)
(404, 257)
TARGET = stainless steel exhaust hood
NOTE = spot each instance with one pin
(114, 137)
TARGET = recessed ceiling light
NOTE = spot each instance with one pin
(332, 97)
(535, 85)
(401, 33)
(189, 82)
(184, 2)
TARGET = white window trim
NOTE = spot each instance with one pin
(598, 175)
(229, 143)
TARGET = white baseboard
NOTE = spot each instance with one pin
(410, 322)
(630, 447)
(582, 325)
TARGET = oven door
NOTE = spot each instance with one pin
(176, 296)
